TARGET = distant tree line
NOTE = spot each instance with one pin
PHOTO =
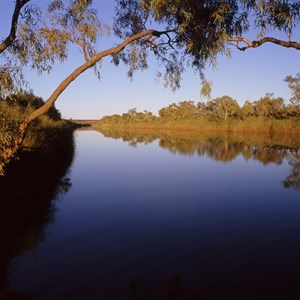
(220, 109)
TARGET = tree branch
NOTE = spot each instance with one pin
(14, 25)
(65, 83)
(87, 65)
(68, 80)
(258, 43)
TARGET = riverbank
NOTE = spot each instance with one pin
(46, 137)
(251, 125)
(42, 134)
(27, 195)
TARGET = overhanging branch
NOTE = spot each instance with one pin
(87, 65)
(258, 43)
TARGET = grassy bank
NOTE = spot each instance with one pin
(251, 125)
(47, 136)
(43, 133)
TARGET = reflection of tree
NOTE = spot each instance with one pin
(267, 155)
(176, 145)
(293, 180)
(132, 137)
(225, 148)
(27, 206)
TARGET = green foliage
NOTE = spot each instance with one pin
(44, 37)
(185, 33)
(28, 102)
(269, 107)
(268, 114)
(294, 86)
(13, 110)
(222, 108)
(248, 109)
(10, 116)
(194, 33)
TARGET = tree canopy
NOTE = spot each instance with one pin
(294, 85)
(179, 33)
(196, 32)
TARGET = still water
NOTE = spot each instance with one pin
(170, 216)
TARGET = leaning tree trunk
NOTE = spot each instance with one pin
(10, 152)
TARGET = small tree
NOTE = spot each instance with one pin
(247, 109)
(270, 107)
(224, 107)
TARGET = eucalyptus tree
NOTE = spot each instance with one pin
(224, 107)
(294, 86)
(248, 109)
(270, 107)
(178, 33)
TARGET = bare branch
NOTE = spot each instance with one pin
(258, 43)
(156, 34)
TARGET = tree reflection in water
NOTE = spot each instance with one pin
(293, 180)
(222, 147)
(27, 204)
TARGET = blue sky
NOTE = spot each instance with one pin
(246, 76)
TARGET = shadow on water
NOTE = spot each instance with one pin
(27, 203)
(170, 289)
(267, 149)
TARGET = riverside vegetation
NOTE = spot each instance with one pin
(266, 115)
(43, 134)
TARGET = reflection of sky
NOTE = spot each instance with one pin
(146, 174)
(146, 213)
(150, 161)
(246, 76)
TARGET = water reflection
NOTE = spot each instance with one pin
(224, 148)
(27, 205)
(134, 218)
(293, 180)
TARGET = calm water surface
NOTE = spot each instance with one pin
(170, 218)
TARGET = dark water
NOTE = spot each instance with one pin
(169, 216)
